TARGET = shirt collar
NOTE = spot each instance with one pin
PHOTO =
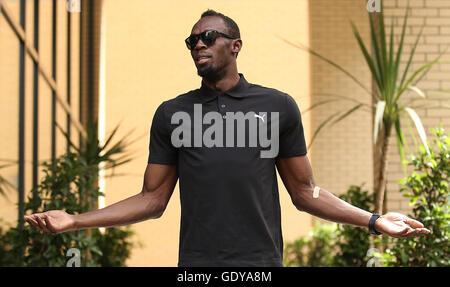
(237, 91)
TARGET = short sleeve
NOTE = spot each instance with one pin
(161, 150)
(292, 139)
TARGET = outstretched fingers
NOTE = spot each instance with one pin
(418, 227)
(42, 224)
(413, 222)
(421, 231)
(409, 232)
(32, 221)
(39, 217)
(49, 225)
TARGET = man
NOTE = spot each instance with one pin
(230, 211)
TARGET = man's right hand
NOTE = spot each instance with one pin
(52, 221)
(150, 203)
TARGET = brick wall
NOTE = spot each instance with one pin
(435, 16)
(342, 155)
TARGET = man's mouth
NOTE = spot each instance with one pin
(203, 59)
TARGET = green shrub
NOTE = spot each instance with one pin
(334, 245)
(427, 188)
(67, 183)
(6, 254)
(353, 242)
(315, 250)
(115, 246)
(70, 184)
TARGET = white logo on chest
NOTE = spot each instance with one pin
(261, 117)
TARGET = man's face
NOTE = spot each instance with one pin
(210, 61)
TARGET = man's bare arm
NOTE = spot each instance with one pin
(159, 183)
(297, 176)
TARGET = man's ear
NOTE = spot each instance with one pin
(236, 46)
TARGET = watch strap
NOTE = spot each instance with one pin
(372, 220)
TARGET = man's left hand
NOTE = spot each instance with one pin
(398, 225)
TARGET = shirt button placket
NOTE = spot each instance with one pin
(222, 105)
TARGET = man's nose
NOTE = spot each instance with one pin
(199, 44)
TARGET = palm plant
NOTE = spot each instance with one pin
(103, 156)
(390, 89)
(5, 185)
(99, 156)
(93, 152)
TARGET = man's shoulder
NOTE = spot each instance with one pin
(187, 96)
(179, 101)
(265, 89)
(275, 97)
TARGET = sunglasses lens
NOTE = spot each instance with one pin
(191, 42)
(209, 37)
(188, 44)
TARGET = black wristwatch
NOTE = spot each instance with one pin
(372, 220)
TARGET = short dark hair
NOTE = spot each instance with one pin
(233, 28)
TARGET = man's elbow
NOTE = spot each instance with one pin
(300, 197)
(159, 211)
(156, 203)
(298, 205)
(297, 201)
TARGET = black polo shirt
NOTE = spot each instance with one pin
(230, 209)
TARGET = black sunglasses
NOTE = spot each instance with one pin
(208, 37)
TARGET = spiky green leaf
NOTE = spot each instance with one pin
(379, 112)
(419, 126)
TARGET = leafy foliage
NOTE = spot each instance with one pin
(5, 185)
(332, 245)
(68, 180)
(70, 184)
(353, 242)
(315, 250)
(427, 188)
(115, 246)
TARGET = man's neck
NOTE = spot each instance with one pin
(224, 83)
